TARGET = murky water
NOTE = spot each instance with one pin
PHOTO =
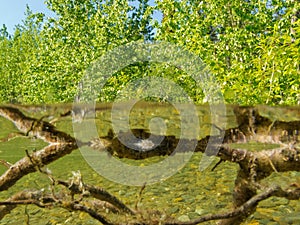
(186, 195)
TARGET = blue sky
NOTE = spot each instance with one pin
(12, 11)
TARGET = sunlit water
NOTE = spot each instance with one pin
(186, 195)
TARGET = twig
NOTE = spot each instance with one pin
(25, 165)
(11, 136)
(27, 221)
(98, 193)
(33, 198)
(139, 199)
(217, 164)
(271, 164)
(5, 163)
(23, 202)
(33, 161)
(91, 212)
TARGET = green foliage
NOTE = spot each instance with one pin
(251, 47)
(17, 54)
(247, 44)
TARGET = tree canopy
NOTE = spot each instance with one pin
(251, 48)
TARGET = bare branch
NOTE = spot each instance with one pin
(247, 207)
(25, 166)
(254, 166)
(91, 212)
(5, 163)
(98, 193)
(23, 197)
(38, 198)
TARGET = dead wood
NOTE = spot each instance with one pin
(254, 166)
(98, 193)
(246, 208)
(40, 199)
(32, 163)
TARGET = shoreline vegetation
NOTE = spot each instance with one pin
(251, 49)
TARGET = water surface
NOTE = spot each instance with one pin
(186, 195)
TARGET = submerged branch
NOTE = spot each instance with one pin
(254, 166)
(23, 197)
(35, 127)
(98, 193)
(40, 199)
(32, 164)
(247, 208)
